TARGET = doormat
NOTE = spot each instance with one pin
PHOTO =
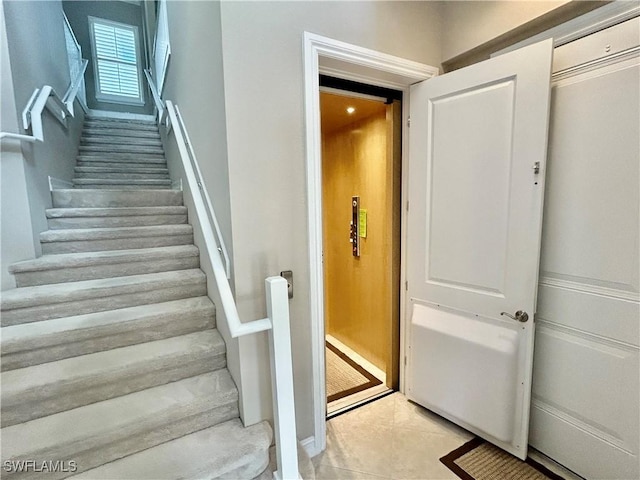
(344, 376)
(480, 460)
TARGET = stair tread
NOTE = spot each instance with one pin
(25, 297)
(122, 181)
(122, 157)
(18, 385)
(104, 422)
(190, 456)
(81, 327)
(67, 260)
(113, 131)
(121, 169)
(109, 149)
(118, 139)
(104, 233)
(70, 212)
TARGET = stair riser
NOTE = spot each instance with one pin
(29, 405)
(124, 175)
(99, 186)
(120, 141)
(125, 221)
(81, 198)
(100, 303)
(97, 159)
(98, 451)
(109, 149)
(115, 244)
(132, 128)
(123, 168)
(120, 132)
(61, 275)
(105, 337)
(125, 123)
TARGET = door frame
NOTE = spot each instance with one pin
(323, 55)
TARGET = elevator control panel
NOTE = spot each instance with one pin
(354, 233)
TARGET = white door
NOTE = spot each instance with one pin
(585, 409)
(476, 181)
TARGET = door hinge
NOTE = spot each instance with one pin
(406, 285)
(405, 360)
(407, 205)
(408, 121)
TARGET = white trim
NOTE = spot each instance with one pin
(351, 62)
(594, 21)
(109, 97)
(309, 446)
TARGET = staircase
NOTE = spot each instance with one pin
(111, 361)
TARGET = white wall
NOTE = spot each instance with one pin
(195, 84)
(15, 225)
(37, 56)
(472, 23)
(263, 78)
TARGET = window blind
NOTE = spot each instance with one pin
(116, 60)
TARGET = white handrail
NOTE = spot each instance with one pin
(276, 322)
(72, 91)
(222, 247)
(32, 113)
(157, 99)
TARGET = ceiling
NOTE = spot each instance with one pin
(333, 110)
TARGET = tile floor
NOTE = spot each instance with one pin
(390, 438)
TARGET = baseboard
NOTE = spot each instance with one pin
(310, 446)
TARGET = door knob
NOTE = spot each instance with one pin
(520, 316)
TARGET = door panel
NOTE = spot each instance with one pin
(474, 240)
(467, 235)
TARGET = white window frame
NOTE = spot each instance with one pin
(108, 97)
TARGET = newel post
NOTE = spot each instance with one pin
(284, 414)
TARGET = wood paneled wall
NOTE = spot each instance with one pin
(361, 305)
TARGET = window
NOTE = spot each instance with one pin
(116, 61)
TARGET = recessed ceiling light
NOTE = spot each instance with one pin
(350, 110)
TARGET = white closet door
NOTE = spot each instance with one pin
(585, 400)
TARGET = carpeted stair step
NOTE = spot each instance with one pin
(82, 198)
(92, 158)
(44, 302)
(76, 240)
(64, 218)
(99, 433)
(110, 149)
(121, 166)
(46, 341)
(73, 267)
(239, 453)
(41, 390)
(118, 183)
(131, 125)
(109, 131)
(122, 171)
(113, 140)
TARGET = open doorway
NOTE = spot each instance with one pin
(361, 181)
